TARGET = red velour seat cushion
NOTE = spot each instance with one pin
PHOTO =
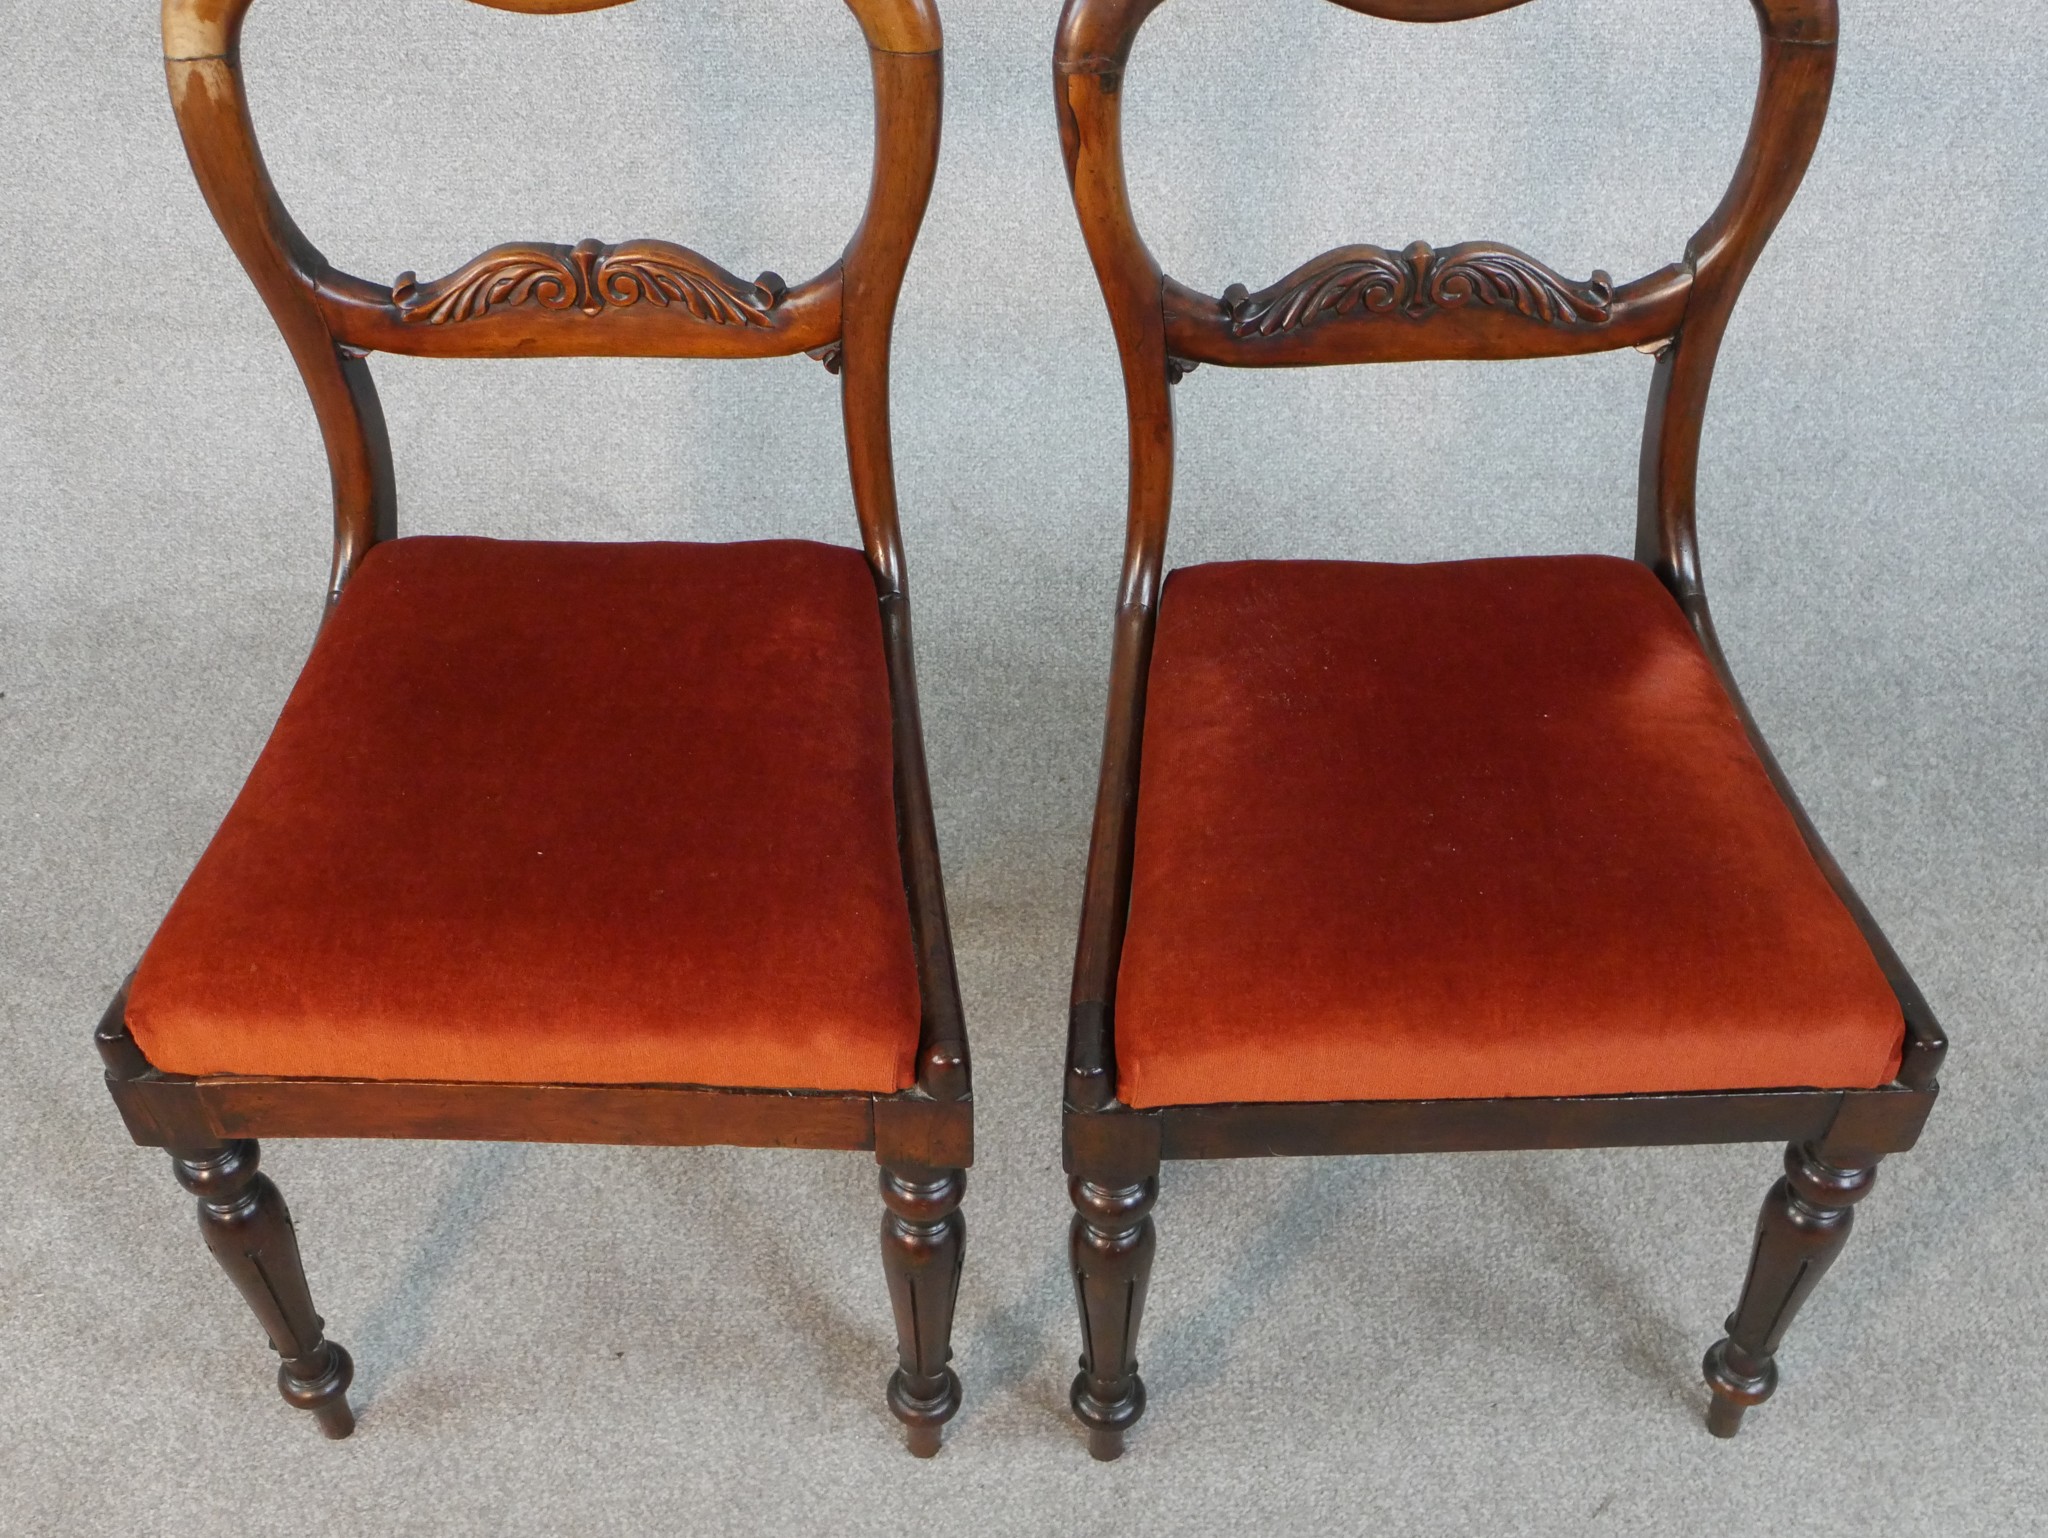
(1474, 829)
(572, 813)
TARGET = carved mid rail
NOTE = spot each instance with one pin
(640, 297)
(1368, 304)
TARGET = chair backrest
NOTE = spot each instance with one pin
(1373, 304)
(643, 298)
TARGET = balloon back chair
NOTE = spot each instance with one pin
(564, 842)
(1470, 855)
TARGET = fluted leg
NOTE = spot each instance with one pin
(1111, 1246)
(245, 1223)
(923, 1240)
(1805, 1222)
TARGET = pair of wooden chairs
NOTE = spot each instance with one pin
(1475, 855)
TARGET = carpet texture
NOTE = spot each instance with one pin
(598, 1341)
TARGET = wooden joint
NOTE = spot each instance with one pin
(1095, 38)
(1108, 68)
(914, 1131)
(137, 1107)
(197, 30)
(1869, 1122)
(1115, 1146)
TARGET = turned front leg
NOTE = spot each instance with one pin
(923, 1243)
(1805, 1222)
(245, 1223)
(1111, 1247)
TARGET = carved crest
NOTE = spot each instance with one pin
(592, 277)
(1415, 283)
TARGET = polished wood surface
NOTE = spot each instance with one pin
(922, 1239)
(1804, 1224)
(1366, 304)
(1109, 1246)
(647, 297)
(1386, 303)
(643, 298)
(247, 1227)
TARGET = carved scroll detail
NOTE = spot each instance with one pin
(592, 277)
(1415, 283)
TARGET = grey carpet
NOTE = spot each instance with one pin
(631, 1341)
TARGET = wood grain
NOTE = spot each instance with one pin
(1367, 303)
(641, 297)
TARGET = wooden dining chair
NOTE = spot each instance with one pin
(1471, 855)
(563, 842)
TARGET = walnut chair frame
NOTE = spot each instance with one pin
(1364, 304)
(644, 298)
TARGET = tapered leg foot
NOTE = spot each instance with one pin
(1108, 1446)
(1111, 1247)
(1805, 1222)
(923, 1241)
(325, 1393)
(249, 1230)
(1738, 1381)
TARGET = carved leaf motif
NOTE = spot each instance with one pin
(653, 272)
(1416, 283)
(589, 276)
(503, 275)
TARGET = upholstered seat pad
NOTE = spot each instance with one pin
(550, 812)
(1471, 829)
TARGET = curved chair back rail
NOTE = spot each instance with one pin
(1377, 304)
(637, 298)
